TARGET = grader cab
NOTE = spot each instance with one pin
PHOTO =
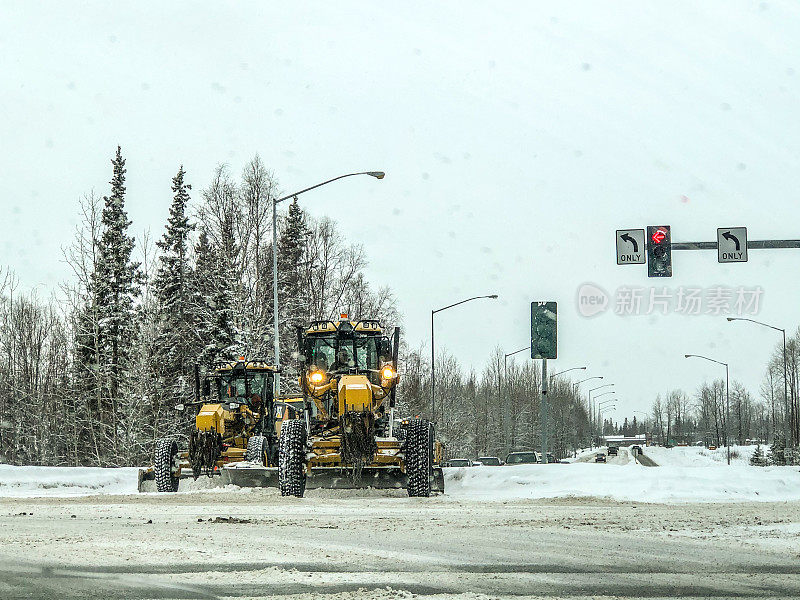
(237, 420)
(349, 436)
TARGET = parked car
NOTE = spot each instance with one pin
(522, 458)
(600, 457)
(636, 449)
(459, 462)
(613, 450)
(712, 447)
(489, 461)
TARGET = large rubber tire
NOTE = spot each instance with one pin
(292, 458)
(419, 457)
(165, 465)
(257, 450)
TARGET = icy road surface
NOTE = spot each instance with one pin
(365, 545)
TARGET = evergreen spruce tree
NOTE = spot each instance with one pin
(292, 289)
(776, 451)
(114, 289)
(212, 304)
(175, 343)
(758, 459)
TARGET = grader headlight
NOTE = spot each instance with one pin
(316, 377)
(388, 373)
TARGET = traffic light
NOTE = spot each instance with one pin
(544, 330)
(659, 251)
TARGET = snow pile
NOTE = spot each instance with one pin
(698, 456)
(626, 482)
(66, 481)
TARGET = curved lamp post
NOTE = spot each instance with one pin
(275, 316)
(785, 378)
(433, 352)
(727, 399)
(507, 403)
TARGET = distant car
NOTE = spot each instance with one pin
(636, 449)
(489, 461)
(459, 462)
(613, 450)
(712, 447)
(522, 458)
(600, 457)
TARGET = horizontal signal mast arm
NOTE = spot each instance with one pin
(751, 245)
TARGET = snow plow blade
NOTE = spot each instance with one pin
(381, 478)
(249, 476)
(320, 478)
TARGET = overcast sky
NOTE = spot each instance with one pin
(516, 140)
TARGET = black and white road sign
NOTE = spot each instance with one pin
(630, 247)
(732, 244)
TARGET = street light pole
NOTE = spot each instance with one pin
(276, 320)
(433, 350)
(507, 403)
(727, 400)
(785, 377)
(588, 408)
(599, 387)
(600, 416)
(599, 404)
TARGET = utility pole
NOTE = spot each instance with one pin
(543, 411)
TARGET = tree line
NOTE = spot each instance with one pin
(771, 418)
(470, 406)
(90, 376)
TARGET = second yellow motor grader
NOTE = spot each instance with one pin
(237, 424)
(348, 435)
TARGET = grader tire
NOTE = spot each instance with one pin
(165, 465)
(419, 457)
(292, 458)
(257, 450)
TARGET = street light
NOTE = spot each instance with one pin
(589, 398)
(507, 403)
(727, 399)
(612, 403)
(785, 385)
(577, 383)
(433, 354)
(567, 371)
(275, 202)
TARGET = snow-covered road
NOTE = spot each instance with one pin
(357, 544)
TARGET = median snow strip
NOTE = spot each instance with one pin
(626, 482)
(27, 482)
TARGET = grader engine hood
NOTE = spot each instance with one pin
(211, 415)
(355, 394)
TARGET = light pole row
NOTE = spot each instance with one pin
(791, 416)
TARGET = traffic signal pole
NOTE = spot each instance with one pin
(543, 411)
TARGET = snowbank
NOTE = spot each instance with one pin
(698, 456)
(626, 482)
(66, 481)
(664, 484)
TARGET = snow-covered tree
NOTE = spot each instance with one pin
(114, 289)
(758, 459)
(212, 304)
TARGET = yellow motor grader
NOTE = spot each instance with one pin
(237, 424)
(348, 436)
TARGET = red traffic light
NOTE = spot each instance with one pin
(659, 235)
